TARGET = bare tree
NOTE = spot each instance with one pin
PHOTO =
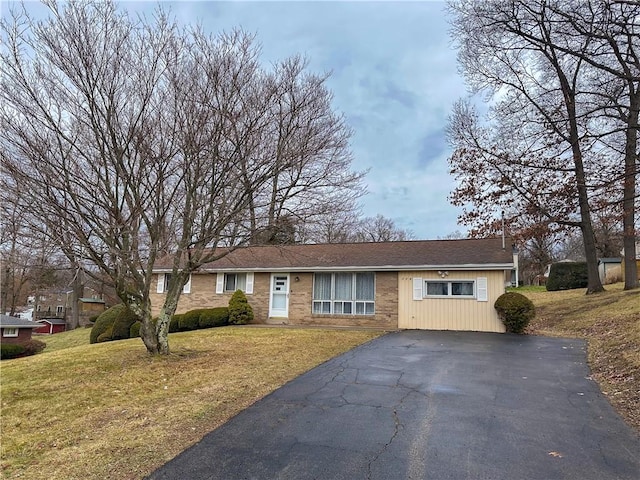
(379, 229)
(29, 258)
(308, 145)
(542, 149)
(139, 139)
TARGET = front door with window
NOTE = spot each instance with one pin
(279, 302)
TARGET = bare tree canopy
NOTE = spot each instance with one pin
(133, 139)
(560, 141)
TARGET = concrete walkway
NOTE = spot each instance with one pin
(427, 405)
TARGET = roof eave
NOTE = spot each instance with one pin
(358, 268)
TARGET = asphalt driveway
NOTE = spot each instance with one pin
(427, 405)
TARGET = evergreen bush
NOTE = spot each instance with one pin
(174, 323)
(240, 312)
(214, 317)
(122, 325)
(105, 336)
(189, 320)
(10, 350)
(106, 321)
(515, 310)
(134, 331)
(567, 276)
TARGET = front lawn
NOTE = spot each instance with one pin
(109, 410)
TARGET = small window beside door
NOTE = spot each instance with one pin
(229, 282)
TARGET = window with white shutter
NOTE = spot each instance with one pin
(482, 292)
(417, 288)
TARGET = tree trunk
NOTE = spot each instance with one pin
(156, 336)
(628, 214)
(77, 294)
(594, 285)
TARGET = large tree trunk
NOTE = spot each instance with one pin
(594, 284)
(156, 335)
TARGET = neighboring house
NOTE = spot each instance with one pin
(610, 270)
(431, 284)
(53, 304)
(16, 330)
(50, 326)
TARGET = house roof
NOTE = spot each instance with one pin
(611, 260)
(91, 300)
(485, 254)
(52, 321)
(7, 321)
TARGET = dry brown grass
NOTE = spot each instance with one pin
(610, 322)
(112, 411)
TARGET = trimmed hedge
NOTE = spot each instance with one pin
(189, 320)
(105, 336)
(112, 324)
(213, 317)
(10, 350)
(515, 310)
(174, 323)
(240, 312)
(567, 276)
(122, 325)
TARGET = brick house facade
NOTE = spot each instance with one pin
(16, 330)
(357, 285)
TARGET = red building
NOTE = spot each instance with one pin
(51, 325)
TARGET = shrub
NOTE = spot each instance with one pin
(214, 317)
(240, 312)
(134, 331)
(107, 320)
(10, 350)
(174, 323)
(567, 276)
(189, 320)
(92, 319)
(103, 323)
(515, 310)
(122, 325)
(33, 346)
(105, 336)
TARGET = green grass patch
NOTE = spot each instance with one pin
(109, 410)
(61, 341)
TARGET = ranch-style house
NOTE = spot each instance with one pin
(427, 284)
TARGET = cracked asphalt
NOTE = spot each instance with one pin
(427, 405)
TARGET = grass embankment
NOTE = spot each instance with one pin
(80, 411)
(610, 322)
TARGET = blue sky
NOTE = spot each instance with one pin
(394, 76)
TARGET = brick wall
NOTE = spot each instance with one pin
(24, 336)
(203, 295)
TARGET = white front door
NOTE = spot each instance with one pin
(279, 304)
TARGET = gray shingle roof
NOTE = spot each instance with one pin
(12, 322)
(486, 253)
(52, 321)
